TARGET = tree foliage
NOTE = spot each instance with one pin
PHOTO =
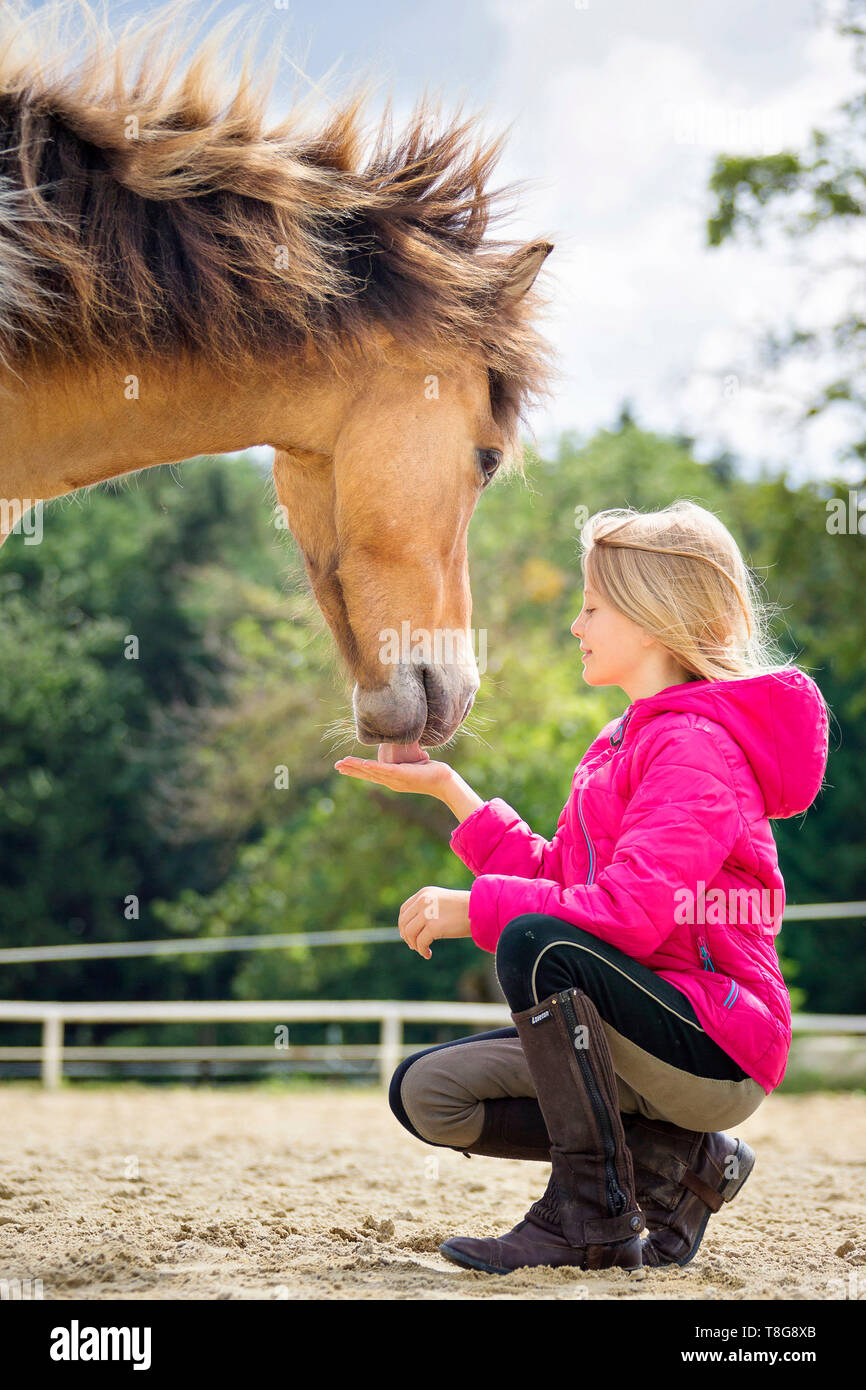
(154, 778)
(819, 191)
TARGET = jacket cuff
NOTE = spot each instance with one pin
(483, 911)
(476, 837)
(467, 834)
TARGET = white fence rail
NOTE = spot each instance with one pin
(286, 941)
(200, 945)
(390, 1014)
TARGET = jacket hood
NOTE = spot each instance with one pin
(778, 719)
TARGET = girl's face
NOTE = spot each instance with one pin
(614, 647)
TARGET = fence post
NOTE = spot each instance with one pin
(390, 1043)
(52, 1051)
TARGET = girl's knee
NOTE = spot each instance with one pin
(518, 947)
(514, 956)
(431, 1103)
(409, 1098)
(519, 936)
(526, 968)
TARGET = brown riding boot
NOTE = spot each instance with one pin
(588, 1217)
(514, 1128)
(682, 1175)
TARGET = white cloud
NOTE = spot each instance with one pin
(618, 130)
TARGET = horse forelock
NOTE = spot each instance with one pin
(148, 205)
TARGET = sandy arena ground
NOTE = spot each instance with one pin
(135, 1193)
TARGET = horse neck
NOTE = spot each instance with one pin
(67, 429)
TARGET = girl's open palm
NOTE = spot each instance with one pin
(425, 777)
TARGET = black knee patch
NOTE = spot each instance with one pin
(395, 1100)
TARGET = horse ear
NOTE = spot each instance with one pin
(525, 265)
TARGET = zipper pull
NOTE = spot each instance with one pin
(618, 734)
(705, 953)
(617, 1200)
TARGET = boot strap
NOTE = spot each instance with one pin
(673, 1169)
(702, 1189)
(602, 1230)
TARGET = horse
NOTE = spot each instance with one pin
(182, 275)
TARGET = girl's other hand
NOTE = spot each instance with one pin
(421, 775)
(433, 913)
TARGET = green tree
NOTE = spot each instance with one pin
(156, 776)
(805, 193)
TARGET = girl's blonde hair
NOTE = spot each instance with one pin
(678, 573)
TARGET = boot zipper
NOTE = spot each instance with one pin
(616, 1198)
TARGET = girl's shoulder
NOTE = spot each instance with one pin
(694, 735)
(766, 735)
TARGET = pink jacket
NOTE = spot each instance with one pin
(664, 849)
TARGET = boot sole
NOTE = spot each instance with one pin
(729, 1189)
(459, 1258)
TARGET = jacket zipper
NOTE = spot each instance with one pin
(586, 837)
(617, 1200)
(618, 734)
(731, 998)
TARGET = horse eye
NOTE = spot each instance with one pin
(489, 461)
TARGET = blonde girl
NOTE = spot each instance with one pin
(636, 948)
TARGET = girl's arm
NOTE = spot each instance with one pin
(460, 798)
(677, 830)
(491, 837)
(494, 840)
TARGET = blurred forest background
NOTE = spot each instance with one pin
(155, 777)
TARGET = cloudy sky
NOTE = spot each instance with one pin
(616, 110)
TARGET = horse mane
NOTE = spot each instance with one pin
(148, 205)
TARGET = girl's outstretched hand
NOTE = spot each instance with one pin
(421, 775)
(432, 913)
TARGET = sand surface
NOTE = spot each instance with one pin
(135, 1193)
